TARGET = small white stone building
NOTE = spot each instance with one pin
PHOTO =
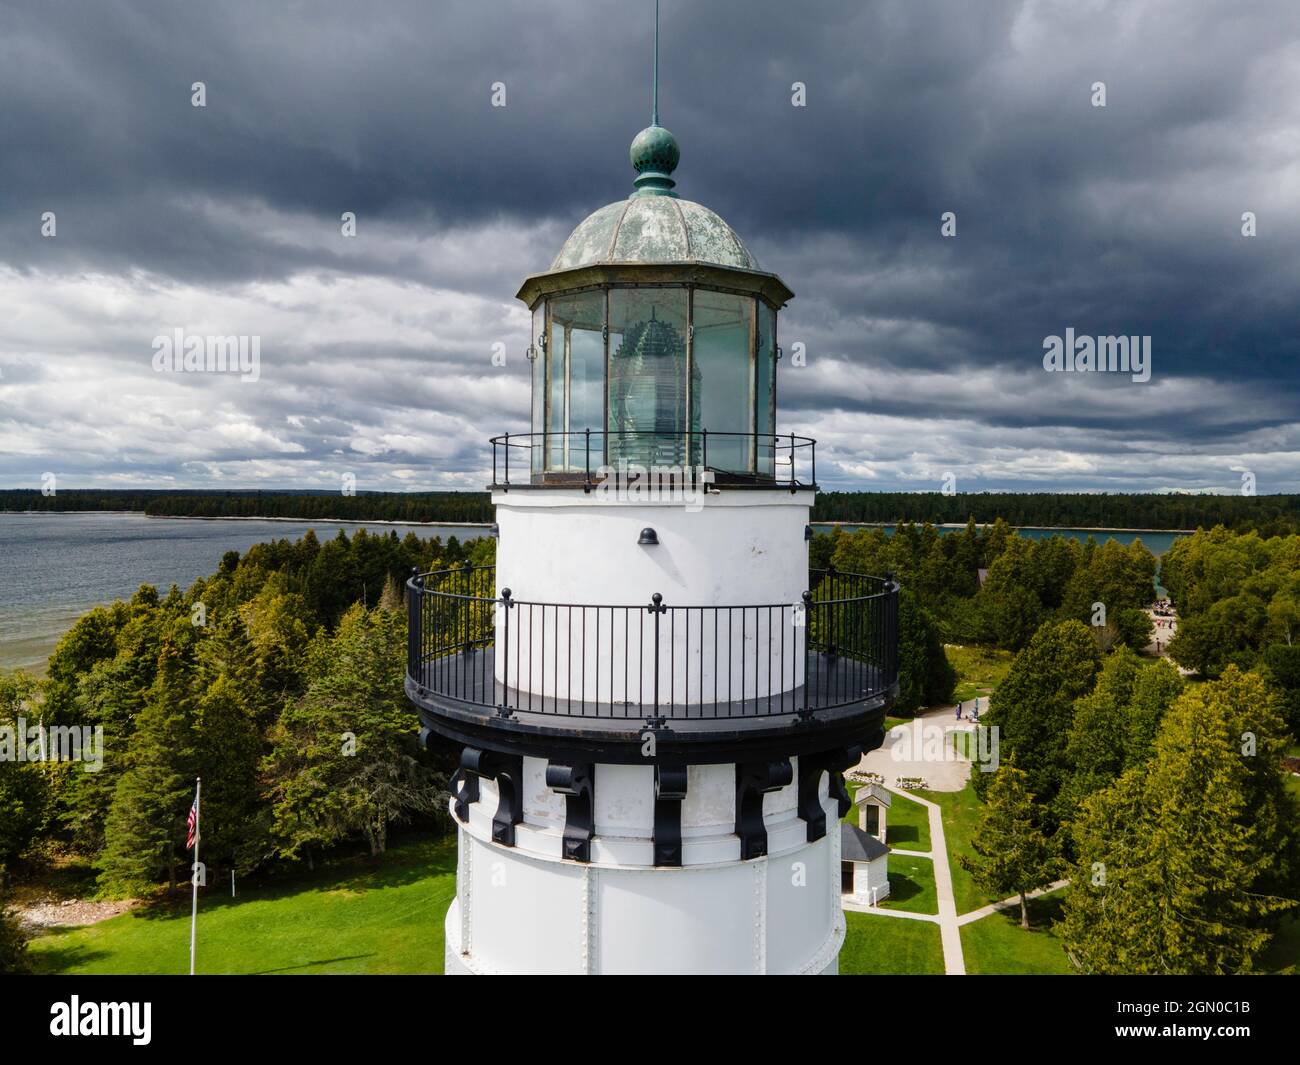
(864, 856)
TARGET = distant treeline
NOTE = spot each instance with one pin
(367, 506)
(1271, 515)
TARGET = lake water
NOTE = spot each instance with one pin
(55, 567)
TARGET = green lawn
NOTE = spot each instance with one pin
(890, 946)
(911, 885)
(907, 825)
(997, 945)
(961, 812)
(356, 917)
(979, 669)
(352, 917)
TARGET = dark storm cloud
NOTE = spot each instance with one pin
(1124, 219)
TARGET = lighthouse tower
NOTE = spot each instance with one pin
(655, 696)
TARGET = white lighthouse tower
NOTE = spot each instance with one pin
(655, 696)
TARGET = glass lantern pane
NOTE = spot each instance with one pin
(723, 349)
(647, 377)
(575, 381)
(765, 391)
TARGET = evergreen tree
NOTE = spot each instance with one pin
(925, 677)
(1154, 690)
(145, 830)
(228, 752)
(1094, 747)
(23, 786)
(345, 757)
(1185, 865)
(1013, 854)
(1033, 708)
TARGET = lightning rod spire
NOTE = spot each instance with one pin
(654, 110)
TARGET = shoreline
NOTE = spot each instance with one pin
(488, 524)
(299, 521)
(989, 525)
(324, 521)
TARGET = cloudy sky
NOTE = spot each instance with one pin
(924, 351)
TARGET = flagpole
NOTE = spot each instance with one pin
(194, 871)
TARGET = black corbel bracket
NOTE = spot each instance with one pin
(464, 790)
(811, 767)
(577, 784)
(507, 771)
(670, 790)
(753, 781)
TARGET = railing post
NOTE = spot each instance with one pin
(704, 458)
(831, 574)
(891, 629)
(507, 446)
(812, 449)
(806, 712)
(793, 480)
(656, 608)
(503, 709)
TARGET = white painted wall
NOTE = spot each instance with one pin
(524, 910)
(871, 880)
(740, 549)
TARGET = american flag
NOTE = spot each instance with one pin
(192, 824)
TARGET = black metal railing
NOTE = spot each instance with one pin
(594, 456)
(656, 661)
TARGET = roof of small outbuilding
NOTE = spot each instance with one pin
(859, 846)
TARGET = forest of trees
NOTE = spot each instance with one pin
(278, 680)
(1270, 515)
(1238, 600)
(467, 507)
(1027, 584)
(1162, 801)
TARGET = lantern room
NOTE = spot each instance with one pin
(654, 341)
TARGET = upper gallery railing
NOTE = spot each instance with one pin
(592, 456)
(656, 661)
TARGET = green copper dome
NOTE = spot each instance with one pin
(654, 229)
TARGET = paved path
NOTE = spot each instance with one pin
(948, 920)
(954, 964)
(862, 907)
(1006, 904)
(941, 776)
(907, 751)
